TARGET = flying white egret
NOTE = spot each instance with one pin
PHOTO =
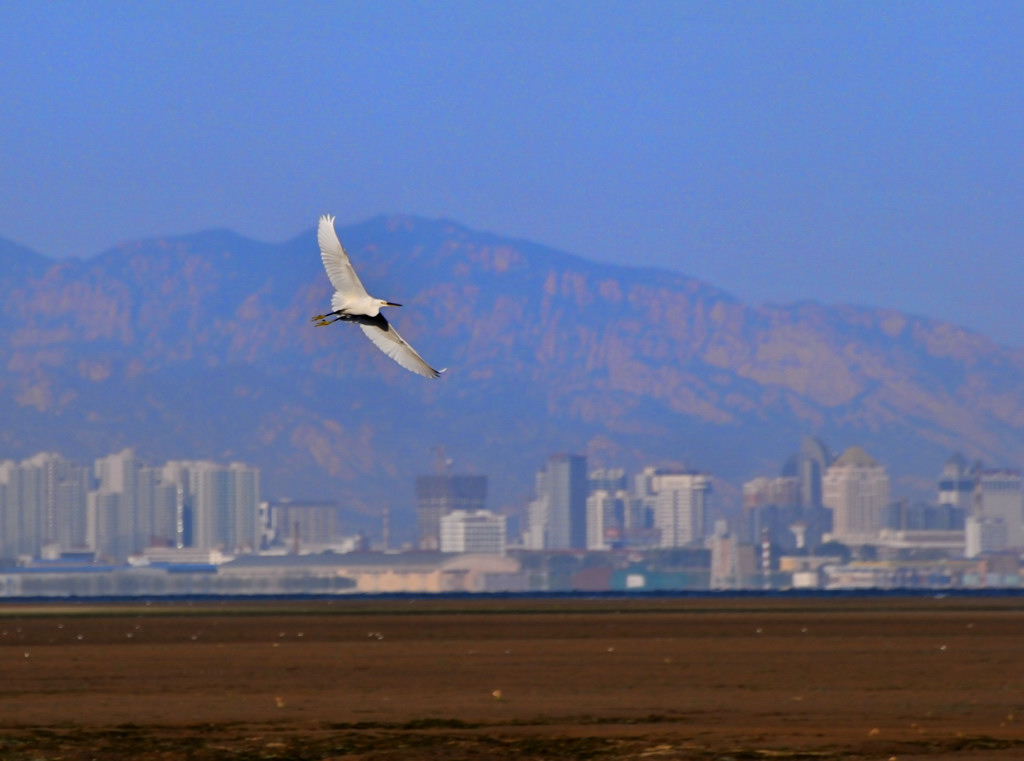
(351, 303)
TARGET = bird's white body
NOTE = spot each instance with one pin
(351, 303)
(364, 305)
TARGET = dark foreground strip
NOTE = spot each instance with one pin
(430, 740)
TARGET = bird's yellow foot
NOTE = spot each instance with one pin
(322, 323)
(320, 317)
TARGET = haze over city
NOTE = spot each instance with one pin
(582, 207)
(727, 455)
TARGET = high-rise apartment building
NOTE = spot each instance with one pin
(535, 533)
(608, 508)
(306, 526)
(597, 508)
(161, 497)
(136, 506)
(999, 498)
(117, 526)
(120, 506)
(982, 536)
(172, 504)
(812, 463)
(681, 507)
(106, 534)
(732, 563)
(42, 503)
(247, 528)
(557, 518)
(856, 489)
(225, 506)
(641, 510)
(605, 518)
(9, 516)
(956, 483)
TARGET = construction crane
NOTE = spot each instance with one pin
(442, 463)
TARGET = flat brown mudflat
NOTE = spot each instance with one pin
(695, 678)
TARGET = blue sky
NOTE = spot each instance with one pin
(867, 152)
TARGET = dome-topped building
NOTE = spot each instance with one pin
(856, 489)
(856, 457)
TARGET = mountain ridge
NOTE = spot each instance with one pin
(201, 346)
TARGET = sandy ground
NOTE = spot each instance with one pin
(703, 678)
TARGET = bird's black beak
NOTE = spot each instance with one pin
(391, 304)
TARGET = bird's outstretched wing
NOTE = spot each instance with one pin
(386, 338)
(339, 268)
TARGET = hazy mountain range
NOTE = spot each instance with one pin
(201, 346)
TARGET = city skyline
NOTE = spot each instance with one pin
(121, 505)
(810, 527)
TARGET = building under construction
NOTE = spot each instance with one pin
(441, 494)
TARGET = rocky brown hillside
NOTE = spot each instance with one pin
(201, 346)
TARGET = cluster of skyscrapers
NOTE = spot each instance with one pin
(816, 499)
(121, 506)
(574, 509)
(978, 510)
(596, 510)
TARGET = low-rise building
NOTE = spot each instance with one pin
(477, 531)
(386, 573)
